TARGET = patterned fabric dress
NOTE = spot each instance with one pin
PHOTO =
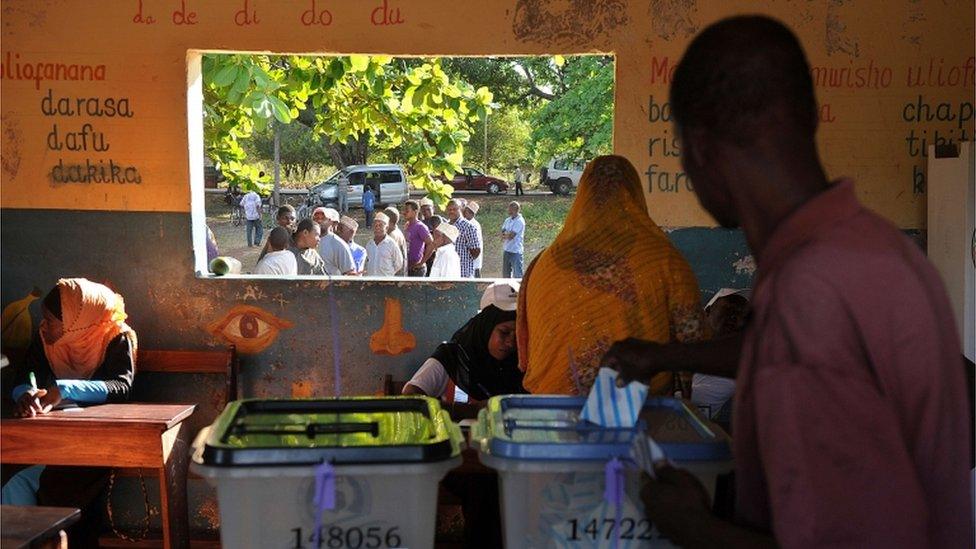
(610, 274)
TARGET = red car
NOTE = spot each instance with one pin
(471, 179)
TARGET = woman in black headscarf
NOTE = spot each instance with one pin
(481, 358)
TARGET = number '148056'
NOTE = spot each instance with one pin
(336, 537)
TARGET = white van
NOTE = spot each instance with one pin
(562, 176)
(388, 181)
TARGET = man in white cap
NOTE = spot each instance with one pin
(466, 244)
(346, 229)
(470, 211)
(447, 264)
(383, 255)
(334, 250)
(426, 212)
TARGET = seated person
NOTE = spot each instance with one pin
(279, 259)
(480, 359)
(85, 353)
(725, 315)
(600, 281)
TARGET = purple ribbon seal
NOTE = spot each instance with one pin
(613, 493)
(324, 498)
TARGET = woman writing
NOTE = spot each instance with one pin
(85, 355)
(480, 359)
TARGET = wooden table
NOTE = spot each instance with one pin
(113, 435)
(24, 526)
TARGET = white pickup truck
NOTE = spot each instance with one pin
(562, 176)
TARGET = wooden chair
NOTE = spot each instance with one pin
(224, 362)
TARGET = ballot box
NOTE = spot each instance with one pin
(554, 468)
(344, 472)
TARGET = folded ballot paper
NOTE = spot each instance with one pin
(612, 406)
(646, 453)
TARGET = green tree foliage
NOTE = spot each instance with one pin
(567, 101)
(577, 122)
(355, 100)
(299, 150)
(508, 142)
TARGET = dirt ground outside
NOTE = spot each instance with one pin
(544, 216)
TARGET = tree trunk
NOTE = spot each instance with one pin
(353, 151)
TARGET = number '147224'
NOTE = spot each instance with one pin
(595, 529)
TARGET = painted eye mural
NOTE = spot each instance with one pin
(250, 329)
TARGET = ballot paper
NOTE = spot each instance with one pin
(646, 453)
(612, 406)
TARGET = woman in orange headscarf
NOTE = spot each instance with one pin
(86, 352)
(86, 355)
(610, 274)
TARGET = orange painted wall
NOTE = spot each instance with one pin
(865, 133)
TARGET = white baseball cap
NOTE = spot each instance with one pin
(502, 294)
(726, 292)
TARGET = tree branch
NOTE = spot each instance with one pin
(533, 88)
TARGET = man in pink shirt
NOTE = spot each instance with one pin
(850, 418)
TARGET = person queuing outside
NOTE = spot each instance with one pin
(335, 252)
(285, 217)
(599, 282)
(342, 194)
(85, 353)
(369, 202)
(305, 246)
(470, 211)
(279, 260)
(396, 234)
(346, 229)
(420, 243)
(513, 233)
(383, 255)
(447, 264)
(519, 180)
(251, 202)
(850, 415)
(433, 223)
(467, 243)
(427, 212)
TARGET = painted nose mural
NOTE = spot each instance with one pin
(250, 329)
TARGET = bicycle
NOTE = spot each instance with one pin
(233, 199)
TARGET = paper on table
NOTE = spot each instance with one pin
(612, 406)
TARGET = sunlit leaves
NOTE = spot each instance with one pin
(417, 110)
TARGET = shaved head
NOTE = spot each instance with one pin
(739, 71)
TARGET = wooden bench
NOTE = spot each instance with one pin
(194, 362)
